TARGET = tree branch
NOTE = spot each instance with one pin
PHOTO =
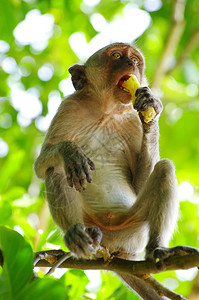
(171, 43)
(119, 265)
(162, 290)
(141, 269)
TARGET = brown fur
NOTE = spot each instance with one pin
(132, 197)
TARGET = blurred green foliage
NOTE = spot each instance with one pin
(22, 195)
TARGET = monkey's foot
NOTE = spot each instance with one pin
(83, 241)
(161, 253)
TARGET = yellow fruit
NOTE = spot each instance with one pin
(148, 114)
(132, 84)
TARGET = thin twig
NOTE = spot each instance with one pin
(51, 256)
(58, 263)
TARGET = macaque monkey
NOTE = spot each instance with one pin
(104, 179)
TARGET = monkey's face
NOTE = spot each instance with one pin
(107, 68)
(112, 65)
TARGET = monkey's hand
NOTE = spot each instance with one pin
(77, 165)
(83, 241)
(145, 100)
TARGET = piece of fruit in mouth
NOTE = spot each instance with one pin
(130, 83)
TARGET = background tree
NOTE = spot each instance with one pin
(39, 41)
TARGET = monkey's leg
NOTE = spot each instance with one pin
(161, 196)
(163, 212)
(64, 201)
(65, 206)
(157, 204)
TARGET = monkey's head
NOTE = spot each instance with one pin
(105, 69)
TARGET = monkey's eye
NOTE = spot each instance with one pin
(116, 55)
(135, 59)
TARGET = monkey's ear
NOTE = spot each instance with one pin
(78, 76)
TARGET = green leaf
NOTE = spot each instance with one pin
(76, 281)
(18, 263)
(15, 279)
(42, 289)
(15, 192)
(11, 167)
(8, 19)
(5, 211)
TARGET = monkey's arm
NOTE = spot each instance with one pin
(149, 154)
(59, 151)
(50, 157)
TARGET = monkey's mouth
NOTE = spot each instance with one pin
(121, 81)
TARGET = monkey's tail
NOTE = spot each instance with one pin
(141, 288)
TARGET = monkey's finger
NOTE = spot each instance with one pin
(91, 163)
(79, 170)
(83, 183)
(70, 181)
(76, 181)
(87, 171)
(82, 237)
(77, 239)
(95, 233)
(143, 106)
(82, 180)
(159, 254)
(80, 173)
(142, 91)
(143, 96)
(142, 103)
(77, 185)
(85, 250)
(85, 244)
(68, 172)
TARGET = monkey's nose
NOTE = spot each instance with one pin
(130, 62)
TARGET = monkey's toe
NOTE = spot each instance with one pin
(83, 241)
(95, 233)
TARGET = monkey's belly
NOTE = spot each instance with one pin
(109, 196)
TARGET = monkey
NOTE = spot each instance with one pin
(105, 181)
